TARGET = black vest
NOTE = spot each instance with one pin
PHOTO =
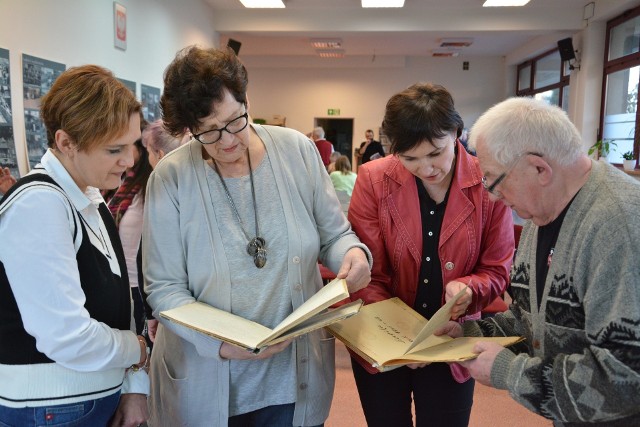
(107, 295)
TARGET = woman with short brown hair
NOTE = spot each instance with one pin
(66, 348)
(433, 231)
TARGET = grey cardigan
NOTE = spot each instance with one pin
(581, 362)
(184, 261)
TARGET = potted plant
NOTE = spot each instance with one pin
(629, 162)
(603, 147)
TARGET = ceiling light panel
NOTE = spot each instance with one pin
(504, 3)
(326, 43)
(382, 3)
(263, 4)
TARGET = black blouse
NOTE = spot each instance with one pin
(429, 295)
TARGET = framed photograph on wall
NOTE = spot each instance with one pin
(150, 99)
(38, 75)
(8, 157)
(128, 83)
(119, 26)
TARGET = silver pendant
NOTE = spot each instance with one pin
(255, 244)
(260, 258)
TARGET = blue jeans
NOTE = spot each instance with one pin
(272, 416)
(90, 413)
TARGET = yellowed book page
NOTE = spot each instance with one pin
(331, 293)
(381, 331)
(451, 350)
(321, 320)
(441, 317)
(219, 324)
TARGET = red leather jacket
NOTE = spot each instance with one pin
(476, 240)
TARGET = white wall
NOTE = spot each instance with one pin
(586, 83)
(76, 32)
(301, 94)
(81, 31)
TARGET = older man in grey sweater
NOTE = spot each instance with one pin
(575, 281)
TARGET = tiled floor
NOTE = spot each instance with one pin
(491, 408)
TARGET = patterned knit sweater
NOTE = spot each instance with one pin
(580, 364)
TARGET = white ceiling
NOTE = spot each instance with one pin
(414, 30)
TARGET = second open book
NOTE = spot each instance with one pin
(389, 334)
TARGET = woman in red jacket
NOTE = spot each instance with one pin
(432, 231)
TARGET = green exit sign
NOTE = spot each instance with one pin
(333, 112)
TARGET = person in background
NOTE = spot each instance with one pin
(343, 178)
(464, 140)
(574, 282)
(129, 175)
(126, 206)
(332, 166)
(238, 219)
(324, 147)
(370, 149)
(433, 232)
(67, 354)
(6, 180)
(157, 143)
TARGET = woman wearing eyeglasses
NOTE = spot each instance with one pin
(238, 219)
(433, 231)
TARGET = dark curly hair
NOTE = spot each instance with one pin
(194, 81)
(422, 112)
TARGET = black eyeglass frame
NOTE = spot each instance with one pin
(223, 129)
(492, 188)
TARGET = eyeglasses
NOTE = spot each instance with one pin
(234, 126)
(492, 188)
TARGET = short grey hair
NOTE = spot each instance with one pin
(319, 131)
(526, 125)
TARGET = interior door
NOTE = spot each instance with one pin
(339, 132)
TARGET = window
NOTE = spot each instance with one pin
(545, 77)
(619, 113)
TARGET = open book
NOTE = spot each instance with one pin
(389, 334)
(225, 326)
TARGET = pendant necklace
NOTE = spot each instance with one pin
(257, 246)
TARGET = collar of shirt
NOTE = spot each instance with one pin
(85, 202)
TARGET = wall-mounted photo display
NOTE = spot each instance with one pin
(37, 77)
(150, 98)
(128, 83)
(8, 158)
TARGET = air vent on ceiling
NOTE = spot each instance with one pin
(330, 53)
(326, 43)
(456, 42)
(445, 52)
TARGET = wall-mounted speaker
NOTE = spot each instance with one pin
(234, 45)
(565, 46)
